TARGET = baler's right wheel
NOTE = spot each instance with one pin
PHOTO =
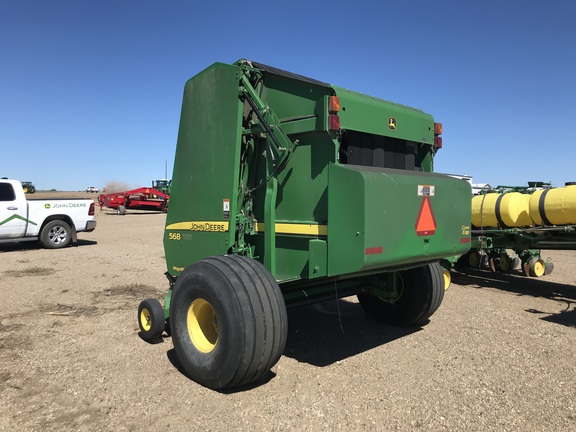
(421, 291)
(121, 210)
(228, 320)
(447, 278)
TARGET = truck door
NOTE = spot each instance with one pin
(12, 213)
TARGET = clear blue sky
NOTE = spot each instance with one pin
(90, 91)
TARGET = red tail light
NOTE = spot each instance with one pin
(333, 122)
(437, 137)
(91, 210)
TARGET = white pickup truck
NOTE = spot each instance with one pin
(54, 222)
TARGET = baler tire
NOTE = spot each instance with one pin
(151, 319)
(56, 234)
(121, 210)
(228, 320)
(447, 277)
(421, 293)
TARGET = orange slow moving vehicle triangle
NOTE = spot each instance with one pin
(425, 223)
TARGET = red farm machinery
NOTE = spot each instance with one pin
(143, 198)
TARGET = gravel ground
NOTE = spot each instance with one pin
(498, 355)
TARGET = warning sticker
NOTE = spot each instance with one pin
(425, 190)
(226, 208)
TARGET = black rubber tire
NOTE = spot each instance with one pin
(56, 234)
(504, 262)
(234, 309)
(151, 319)
(121, 210)
(536, 267)
(421, 293)
(475, 259)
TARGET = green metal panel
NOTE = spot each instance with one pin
(363, 113)
(301, 201)
(301, 198)
(318, 265)
(206, 169)
(374, 218)
(254, 152)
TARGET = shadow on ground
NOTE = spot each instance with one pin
(323, 334)
(516, 282)
(35, 245)
(328, 332)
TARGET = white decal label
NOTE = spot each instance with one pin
(425, 190)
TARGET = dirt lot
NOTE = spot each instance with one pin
(498, 355)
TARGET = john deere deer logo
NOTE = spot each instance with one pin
(392, 123)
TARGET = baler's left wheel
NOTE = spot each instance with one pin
(228, 320)
(151, 319)
(421, 291)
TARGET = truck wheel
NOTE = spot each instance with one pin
(151, 319)
(56, 234)
(421, 293)
(228, 321)
(121, 210)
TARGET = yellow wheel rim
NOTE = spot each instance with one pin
(539, 268)
(202, 325)
(447, 278)
(145, 319)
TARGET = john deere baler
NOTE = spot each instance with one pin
(287, 190)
